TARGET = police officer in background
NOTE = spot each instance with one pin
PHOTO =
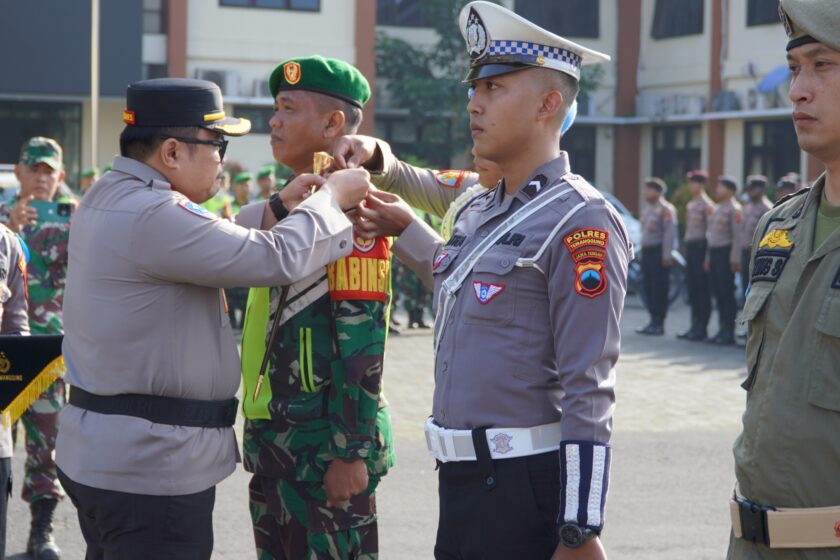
(723, 257)
(756, 206)
(147, 433)
(697, 213)
(787, 500)
(786, 185)
(529, 291)
(659, 230)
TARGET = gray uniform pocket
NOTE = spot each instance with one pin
(824, 389)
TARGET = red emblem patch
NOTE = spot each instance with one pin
(450, 179)
(589, 251)
(439, 260)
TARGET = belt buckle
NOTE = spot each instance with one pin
(754, 521)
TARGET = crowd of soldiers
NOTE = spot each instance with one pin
(718, 235)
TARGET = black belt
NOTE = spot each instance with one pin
(160, 410)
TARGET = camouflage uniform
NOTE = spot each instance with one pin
(47, 270)
(321, 401)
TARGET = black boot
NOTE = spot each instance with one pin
(697, 334)
(41, 545)
(654, 328)
(687, 334)
(724, 338)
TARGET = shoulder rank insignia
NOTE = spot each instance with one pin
(486, 292)
(196, 209)
(589, 252)
(776, 239)
(449, 178)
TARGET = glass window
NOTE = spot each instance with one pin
(301, 5)
(672, 156)
(154, 16)
(579, 142)
(568, 18)
(770, 148)
(675, 18)
(762, 12)
(404, 13)
(259, 117)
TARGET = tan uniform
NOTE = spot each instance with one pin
(789, 451)
(659, 226)
(697, 214)
(723, 227)
(531, 344)
(144, 314)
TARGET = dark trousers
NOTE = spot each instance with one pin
(515, 517)
(723, 286)
(5, 492)
(122, 526)
(697, 281)
(655, 282)
(745, 271)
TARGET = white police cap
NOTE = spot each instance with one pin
(499, 41)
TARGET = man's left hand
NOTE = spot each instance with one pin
(344, 480)
(590, 550)
(382, 214)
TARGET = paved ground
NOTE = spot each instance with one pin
(678, 413)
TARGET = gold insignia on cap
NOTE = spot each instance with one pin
(128, 117)
(236, 129)
(291, 71)
(218, 115)
(540, 60)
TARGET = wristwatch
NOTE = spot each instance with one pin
(573, 536)
(277, 207)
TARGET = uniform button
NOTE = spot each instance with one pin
(505, 262)
(343, 244)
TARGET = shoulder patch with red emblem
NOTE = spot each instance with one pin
(449, 178)
(196, 209)
(365, 274)
(589, 253)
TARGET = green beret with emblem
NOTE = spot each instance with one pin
(243, 177)
(89, 172)
(265, 171)
(811, 21)
(41, 150)
(328, 76)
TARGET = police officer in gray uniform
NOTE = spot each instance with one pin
(659, 231)
(148, 345)
(697, 213)
(529, 292)
(723, 258)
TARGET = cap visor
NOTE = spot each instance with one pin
(489, 70)
(230, 126)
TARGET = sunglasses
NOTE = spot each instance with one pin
(220, 144)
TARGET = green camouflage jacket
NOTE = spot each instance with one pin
(322, 396)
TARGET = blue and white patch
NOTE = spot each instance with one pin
(486, 292)
(196, 209)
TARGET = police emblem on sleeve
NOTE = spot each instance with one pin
(449, 178)
(196, 209)
(486, 292)
(477, 41)
(589, 252)
(501, 443)
(439, 260)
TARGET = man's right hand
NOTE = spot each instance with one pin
(299, 189)
(21, 215)
(354, 151)
(348, 186)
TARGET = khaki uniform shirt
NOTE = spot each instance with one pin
(13, 306)
(789, 451)
(659, 226)
(753, 211)
(723, 228)
(144, 313)
(697, 214)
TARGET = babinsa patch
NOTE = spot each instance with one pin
(589, 251)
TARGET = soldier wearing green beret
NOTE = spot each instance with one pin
(266, 182)
(317, 434)
(242, 187)
(88, 177)
(786, 503)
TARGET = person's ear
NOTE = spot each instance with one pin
(168, 153)
(334, 125)
(18, 167)
(552, 102)
(61, 175)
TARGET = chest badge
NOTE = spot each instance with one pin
(486, 292)
(776, 239)
(501, 443)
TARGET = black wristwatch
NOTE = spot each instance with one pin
(574, 536)
(277, 207)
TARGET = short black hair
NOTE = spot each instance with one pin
(140, 142)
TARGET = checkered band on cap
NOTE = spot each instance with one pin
(555, 57)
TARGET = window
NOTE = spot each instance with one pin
(259, 117)
(154, 16)
(674, 18)
(579, 142)
(762, 12)
(425, 141)
(155, 71)
(770, 148)
(404, 13)
(568, 18)
(676, 150)
(301, 5)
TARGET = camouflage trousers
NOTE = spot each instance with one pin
(40, 424)
(291, 521)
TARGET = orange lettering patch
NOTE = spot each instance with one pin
(589, 251)
(587, 238)
(364, 274)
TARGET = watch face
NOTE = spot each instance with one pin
(571, 536)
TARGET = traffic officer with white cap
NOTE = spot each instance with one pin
(529, 292)
(787, 501)
(150, 353)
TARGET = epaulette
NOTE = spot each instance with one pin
(787, 197)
